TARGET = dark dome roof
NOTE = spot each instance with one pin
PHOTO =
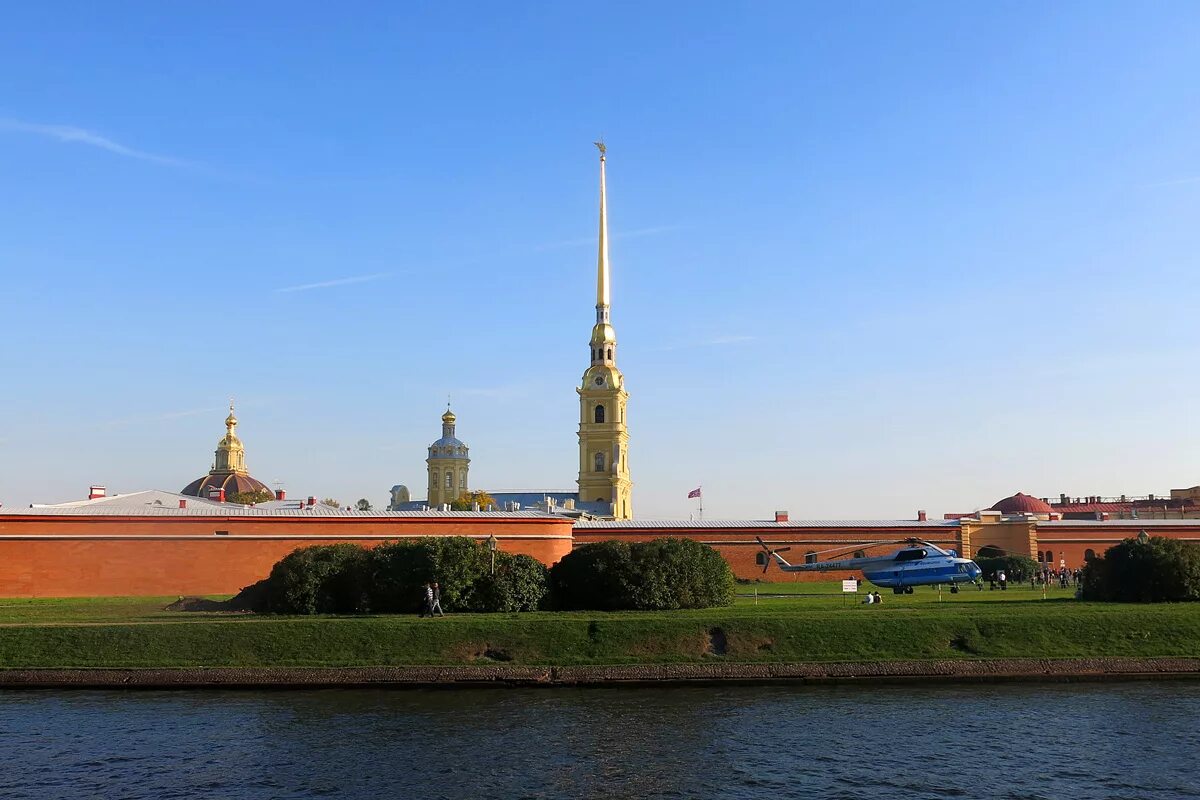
(1022, 504)
(232, 482)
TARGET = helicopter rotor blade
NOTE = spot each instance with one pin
(781, 549)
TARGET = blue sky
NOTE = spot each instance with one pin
(868, 258)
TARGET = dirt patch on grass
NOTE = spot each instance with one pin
(467, 652)
(204, 604)
(961, 644)
(744, 644)
(718, 642)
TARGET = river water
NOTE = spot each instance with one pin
(1056, 741)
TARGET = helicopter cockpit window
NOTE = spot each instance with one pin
(911, 555)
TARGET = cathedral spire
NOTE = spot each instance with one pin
(602, 274)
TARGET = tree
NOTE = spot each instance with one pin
(519, 584)
(329, 501)
(666, 573)
(251, 497)
(400, 570)
(1145, 569)
(322, 579)
(363, 504)
(467, 500)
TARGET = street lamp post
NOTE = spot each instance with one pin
(492, 543)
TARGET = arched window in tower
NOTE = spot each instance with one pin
(462, 479)
(449, 479)
(600, 413)
(610, 354)
(599, 462)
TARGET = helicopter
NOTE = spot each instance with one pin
(919, 563)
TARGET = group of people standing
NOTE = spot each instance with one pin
(431, 600)
(1065, 577)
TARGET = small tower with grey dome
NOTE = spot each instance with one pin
(448, 463)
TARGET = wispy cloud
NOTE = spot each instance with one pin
(634, 234)
(304, 287)
(714, 341)
(72, 135)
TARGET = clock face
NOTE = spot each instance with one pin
(599, 380)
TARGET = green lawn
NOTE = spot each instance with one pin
(813, 623)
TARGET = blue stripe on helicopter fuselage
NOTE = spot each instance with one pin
(919, 575)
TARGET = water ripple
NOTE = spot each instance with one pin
(1021, 742)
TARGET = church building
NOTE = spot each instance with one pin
(228, 477)
(604, 488)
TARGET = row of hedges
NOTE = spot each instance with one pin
(349, 579)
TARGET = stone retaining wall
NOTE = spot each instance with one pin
(942, 671)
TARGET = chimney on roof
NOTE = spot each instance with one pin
(922, 517)
(781, 516)
(312, 501)
(217, 494)
(569, 504)
(1062, 498)
(182, 502)
(1151, 498)
(96, 492)
(474, 506)
(280, 494)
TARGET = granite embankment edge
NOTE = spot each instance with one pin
(937, 671)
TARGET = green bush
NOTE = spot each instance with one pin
(401, 569)
(662, 574)
(672, 573)
(521, 583)
(1146, 569)
(323, 579)
(1017, 569)
(593, 577)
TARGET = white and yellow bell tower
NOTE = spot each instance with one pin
(603, 435)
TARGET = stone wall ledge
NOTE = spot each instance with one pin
(911, 671)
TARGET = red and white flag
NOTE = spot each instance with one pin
(694, 493)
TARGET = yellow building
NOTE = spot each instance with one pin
(603, 431)
(448, 464)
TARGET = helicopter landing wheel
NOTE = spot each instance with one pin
(898, 590)
(954, 589)
(908, 590)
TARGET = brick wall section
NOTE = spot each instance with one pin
(75, 556)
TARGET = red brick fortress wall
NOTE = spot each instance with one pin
(96, 556)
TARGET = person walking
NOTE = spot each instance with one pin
(436, 601)
(427, 600)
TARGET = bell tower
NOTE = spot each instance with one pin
(449, 462)
(603, 435)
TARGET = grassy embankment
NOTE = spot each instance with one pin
(806, 626)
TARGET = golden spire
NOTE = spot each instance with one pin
(230, 455)
(602, 290)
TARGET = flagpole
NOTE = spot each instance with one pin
(701, 502)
